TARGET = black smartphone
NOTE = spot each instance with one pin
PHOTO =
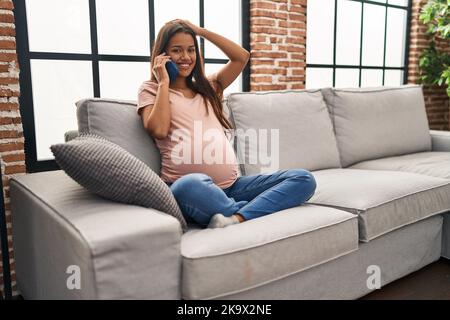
(172, 70)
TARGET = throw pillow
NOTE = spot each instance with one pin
(110, 171)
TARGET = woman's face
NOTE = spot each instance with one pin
(181, 49)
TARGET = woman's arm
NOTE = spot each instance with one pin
(156, 117)
(238, 55)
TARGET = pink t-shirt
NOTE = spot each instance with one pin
(196, 142)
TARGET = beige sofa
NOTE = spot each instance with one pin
(380, 212)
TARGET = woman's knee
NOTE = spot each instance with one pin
(189, 185)
(305, 177)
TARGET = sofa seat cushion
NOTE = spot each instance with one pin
(218, 262)
(383, 200)
(435, 164)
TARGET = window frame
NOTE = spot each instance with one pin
(360, 66)
(25, 56)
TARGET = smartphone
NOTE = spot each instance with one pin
(172, 70)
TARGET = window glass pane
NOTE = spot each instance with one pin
(121, 80)
(166, 10)
(371, 78)
(348, 35)
(123, 28)
(373, 35)
(320, 30)
(319, 78)
(236, 86)
(399, 2)
(347, 78)
(57, 85)
(58, 26)
(393, 77)
(380, 1)
(227, 25)
(395, 37)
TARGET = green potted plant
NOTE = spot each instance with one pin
(434, 65)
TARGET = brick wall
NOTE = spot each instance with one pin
(277, 42)
(12, 154)
(436, 99)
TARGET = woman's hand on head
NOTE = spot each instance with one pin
(159, 69)
(196, 29)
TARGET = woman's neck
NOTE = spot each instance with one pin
(180, 83)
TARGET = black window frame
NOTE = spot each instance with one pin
(360, 66)
(24, 56)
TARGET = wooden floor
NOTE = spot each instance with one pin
(429, 283)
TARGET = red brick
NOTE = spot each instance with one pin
(296, 17)
(261, 79)
(14, 157)
(297, 56)
(261, 46)
(293, 24)
(6, 5)
(297, 33)
(7, 106)
(291, 79)
(7, 31)
(297, 86)
(262, 62)
(291, 64)
(11, 146)
(262, 5)
(268, 30)
(7, 18)
(262, 54)
(15, 169)
(298, 72)
(267, 87)
(268, 71)
(300, 2)
(9, 134)
(263, 22)
(7, 44)
(8, 93)
(8, 57)
(8, 80)
(258, 38)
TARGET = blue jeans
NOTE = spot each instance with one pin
(251, 196)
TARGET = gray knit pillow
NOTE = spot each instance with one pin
(110, 171)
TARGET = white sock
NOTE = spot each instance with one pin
(220, 221)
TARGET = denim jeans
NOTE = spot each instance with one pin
(251, 196)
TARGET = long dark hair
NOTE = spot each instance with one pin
(197, 80)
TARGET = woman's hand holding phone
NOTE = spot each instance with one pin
(160, 70)
(172, 69)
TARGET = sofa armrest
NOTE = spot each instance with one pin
(70, 135)
(117, 251)
(440, 140)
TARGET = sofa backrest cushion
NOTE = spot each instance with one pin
(282, 130)
(108, 170)
(118, 122)
(373, 123)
